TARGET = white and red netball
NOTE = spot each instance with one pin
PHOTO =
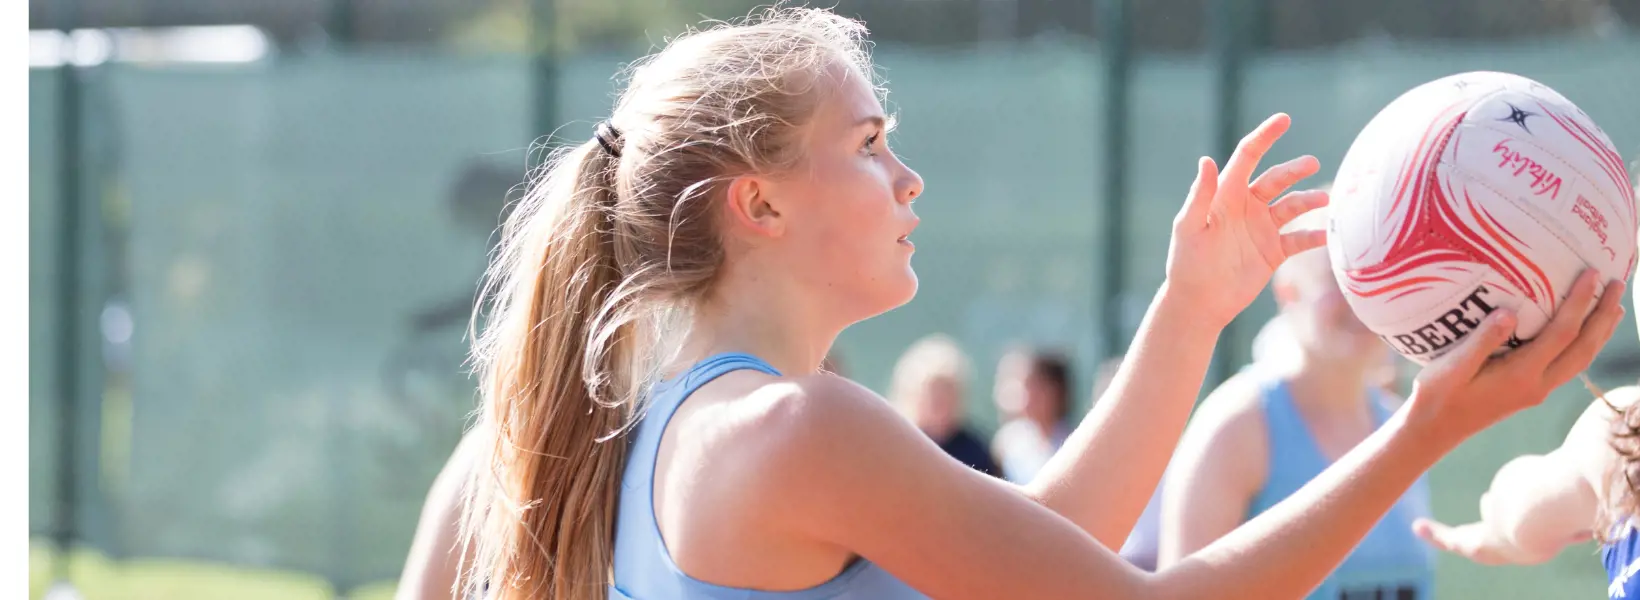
(1470, 193)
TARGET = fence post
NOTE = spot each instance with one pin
(543, 78)
(342, 23)
(69, 302)
(1116, 47)
(1226, 44)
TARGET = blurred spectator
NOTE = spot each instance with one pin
(1315, 390)
(1037, 384)
(930, 382)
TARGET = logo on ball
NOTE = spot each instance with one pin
(1441, 333)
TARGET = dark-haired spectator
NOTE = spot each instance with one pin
(1038, 383)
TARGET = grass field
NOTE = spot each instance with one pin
(98, 578)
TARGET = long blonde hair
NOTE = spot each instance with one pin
(606, 246)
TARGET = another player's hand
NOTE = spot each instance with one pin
(1476, 541)
(1468, 390)
(1227, 239)
(1482, 542)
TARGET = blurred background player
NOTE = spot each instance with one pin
(1274, 350)
(1272, 428)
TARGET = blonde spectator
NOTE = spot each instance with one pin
(931, 381)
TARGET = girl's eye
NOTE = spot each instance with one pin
(870, 147)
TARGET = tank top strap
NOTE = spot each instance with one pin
(1293, 457)
(643, 566)
(669, 394)
(1284, 426)
(641, 559)
(1280, 414)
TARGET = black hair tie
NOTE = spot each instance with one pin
(608, 137)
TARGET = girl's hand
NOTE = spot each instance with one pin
(1227, 239)
(1468, 390)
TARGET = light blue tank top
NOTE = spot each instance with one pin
(1391, 563)
(644, 569)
